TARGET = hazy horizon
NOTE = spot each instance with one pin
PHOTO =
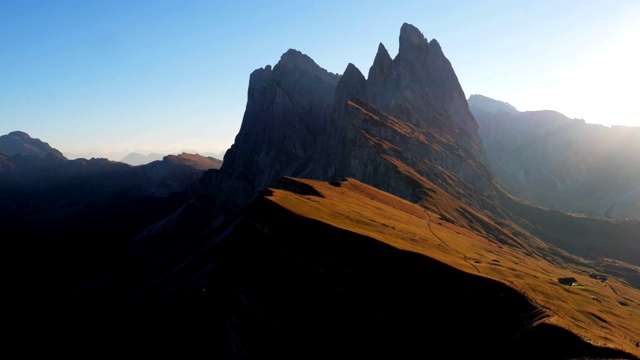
(93, 78)
(121, 154)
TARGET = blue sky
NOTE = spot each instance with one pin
(103, 78)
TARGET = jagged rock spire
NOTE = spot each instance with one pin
(304, 121)
(412, 42)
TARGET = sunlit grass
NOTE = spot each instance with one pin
(604, 313)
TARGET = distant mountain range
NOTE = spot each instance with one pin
(136, 158)
(64, 220)
(565, 164)
(141, 159)
(45, 194)
(352, 217)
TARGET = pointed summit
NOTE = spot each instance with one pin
(382, 65)
(410, 32)
(412, 40)
(287, 107)
(380, 73)
(351, 85)
(294, 59)
(303, 121)
(383, 59)
(293, 56)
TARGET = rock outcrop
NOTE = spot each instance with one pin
(288, 108)
(421, 87)
(304, 121)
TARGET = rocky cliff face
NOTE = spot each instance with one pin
(566, 164)
(288, 109)
(421, 87)
(303, 121)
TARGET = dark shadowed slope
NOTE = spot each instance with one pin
(405, 132)
(303, 121)
(313, 269)
(62, 221)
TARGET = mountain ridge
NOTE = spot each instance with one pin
(353, 216)
(19, 142)
(399, 137)
(304, 101)
(64, 220)
(566, 164)
(398, 278)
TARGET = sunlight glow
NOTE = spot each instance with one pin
(607, 84)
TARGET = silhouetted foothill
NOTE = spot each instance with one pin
(20, 143)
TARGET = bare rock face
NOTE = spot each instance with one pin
(304, 121)
(421, 87)
(392, 154)
(333, 153)
(288, 108)
(411, 111)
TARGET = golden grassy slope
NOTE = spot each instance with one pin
(195, 161)
(604, 313)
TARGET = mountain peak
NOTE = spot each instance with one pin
(481, 103)
(20, 143)
(294, 55)
(195, 161)
(19, 135)
(351, 85)
(382, 64)
(382, 50)
(410, 32)
(295, 58)
(411, 37)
